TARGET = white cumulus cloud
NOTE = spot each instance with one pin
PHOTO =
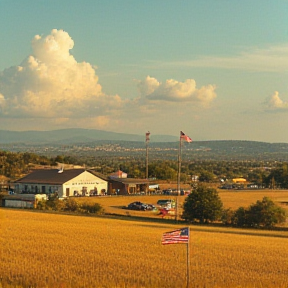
(175, 91)
(276, 103)
(51, 83)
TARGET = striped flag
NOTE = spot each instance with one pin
(147, 136)
(185, 137)
(178, 236)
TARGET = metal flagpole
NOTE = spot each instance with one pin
(178, 177)
(147, 141)
(188, 258)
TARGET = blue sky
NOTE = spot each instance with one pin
(215, 69)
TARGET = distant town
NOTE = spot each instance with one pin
(198, 150)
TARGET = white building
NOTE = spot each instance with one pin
(72, 182)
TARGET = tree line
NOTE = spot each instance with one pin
(271, 174)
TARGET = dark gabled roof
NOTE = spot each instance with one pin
(99, 175)
(129, 180)
(52, 176)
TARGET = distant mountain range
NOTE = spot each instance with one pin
(73, 136)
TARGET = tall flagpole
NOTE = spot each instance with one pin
(188, 259)
(178, 177)
(147, 141)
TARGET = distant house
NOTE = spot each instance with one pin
(118, 174)
(70, 182)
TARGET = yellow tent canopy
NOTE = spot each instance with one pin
(239, 180)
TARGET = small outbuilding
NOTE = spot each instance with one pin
(127, 186)
(22, 200)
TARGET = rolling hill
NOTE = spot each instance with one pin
(74, 136)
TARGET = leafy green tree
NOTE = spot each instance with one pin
(163, 170)
(278, 177)
(227, 216)
(265, 213)
(203, 205)
(206, 176)
(256, 177)
(240, 217)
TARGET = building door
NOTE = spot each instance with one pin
(84, 191)
(67, 192)
(43, 190)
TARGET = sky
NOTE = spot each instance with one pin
(214, 69)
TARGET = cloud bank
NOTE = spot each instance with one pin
(51, 85)
(271, 59)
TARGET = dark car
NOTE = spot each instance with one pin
(167, 192)
(137, 206)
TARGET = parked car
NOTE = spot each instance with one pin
(167, 192)
(137, 206)
(166, 203)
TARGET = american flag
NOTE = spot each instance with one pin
(147, 136)
(185, 137)
(176, 237)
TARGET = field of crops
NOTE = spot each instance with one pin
(230, 199)
(50, 250)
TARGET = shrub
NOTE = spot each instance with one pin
(41, 205)
(264, 213)
(71, 205)
(95, 208)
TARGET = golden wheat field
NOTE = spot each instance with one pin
(230, 200)
(52, 250)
